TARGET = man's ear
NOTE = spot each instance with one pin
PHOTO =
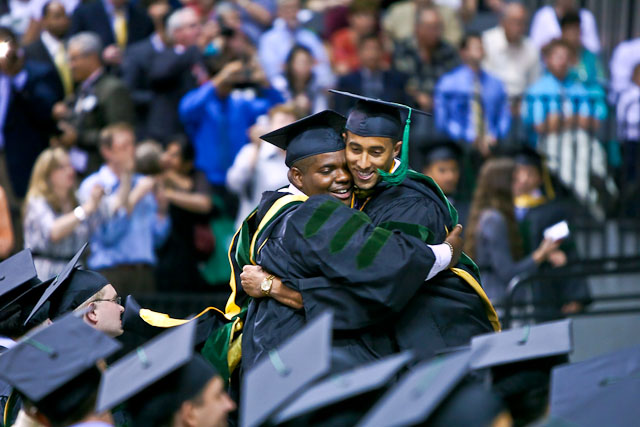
(396, 148)
(91, 315)
(295, 177)
(186, 416)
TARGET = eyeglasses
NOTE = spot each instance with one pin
(117, 300)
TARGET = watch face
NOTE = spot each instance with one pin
(265, 285)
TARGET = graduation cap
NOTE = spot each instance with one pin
(70, 288)
(528, 156)
(285, 371)
(375, 117)
(20, 290)
(441, 151)
(158, 376)
(419, 392)
(596, 392)
(53, 366)
(316, 134)
(344, 386)
(521, 344)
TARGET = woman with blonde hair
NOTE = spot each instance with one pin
(55, 225)
(492, 235)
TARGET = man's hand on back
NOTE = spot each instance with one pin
(454, 238)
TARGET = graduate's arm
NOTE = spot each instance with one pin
(251, 279)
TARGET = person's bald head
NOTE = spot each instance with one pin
(514, 21)
(428, 26)
(55, 19)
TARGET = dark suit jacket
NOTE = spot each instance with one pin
(37, 51)
(28, 123)
(158, 80)
(93, 17)
(393, 82)
(112, 104)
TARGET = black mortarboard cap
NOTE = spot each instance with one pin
(597, 392)
(316, 134)
(17, 276)
(377, 118)
(285, 371)
(71, 288)
(441, 150)
(527, 156)
(343, 386)
(44, 361)
(517, 345)
(419, 392)
(165, 365)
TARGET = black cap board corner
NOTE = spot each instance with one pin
(315, 134)
(51, 356)
(600, 391)
(442, 150)
(520, 344)
(285, 371)
(345, 385)
(419, 392)
(146, 365)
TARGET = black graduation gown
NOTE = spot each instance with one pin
(552, 295)
(447, 311)
(324, 238)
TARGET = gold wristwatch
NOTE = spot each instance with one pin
(266, 284)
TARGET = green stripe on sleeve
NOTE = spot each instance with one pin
(372, 247)
(319, 217)
(346, 232)
(415, 230)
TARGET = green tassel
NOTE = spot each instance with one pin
(396, 177)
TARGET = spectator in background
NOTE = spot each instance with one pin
(510, 55)
(26, 99)
(624, 58)
(425, 58)
(55, 224)
(490, 221)
(587, 68)
(286, 32)
(50, 47)
(100, 100)
(442, 162)
(299, 84)
(363, 20)
(536, 211)
(118, 23)
(628, 117)
(372, 78)
(470, 104)
(6, 229)
(545, 25)
(217, 118)
(260, 167)
(123, 247)
(255, 16)
(556, 101)
(400, 20)
(190, 240)
(137, 63)
(172, 72)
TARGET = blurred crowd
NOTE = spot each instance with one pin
(135, 124)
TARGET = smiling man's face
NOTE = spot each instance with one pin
(325, 173)
(366, 154)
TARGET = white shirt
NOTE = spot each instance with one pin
(545, 27)
(51, 43)
(270, 173)
(625, 56)
(628, 114)
(517, 65)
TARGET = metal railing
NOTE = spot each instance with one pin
(532, 311)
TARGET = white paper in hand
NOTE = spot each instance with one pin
(557, 231)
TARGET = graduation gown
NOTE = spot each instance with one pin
(539, 214)
(324, 238)
(451, 308)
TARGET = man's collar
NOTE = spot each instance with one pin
(92, 79)
(293, 190)
(50, 42)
